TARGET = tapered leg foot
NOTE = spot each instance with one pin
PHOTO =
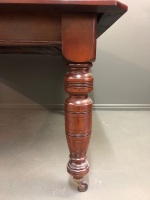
(78, 119)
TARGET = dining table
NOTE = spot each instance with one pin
(69, 28)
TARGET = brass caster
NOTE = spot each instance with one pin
(82, 185)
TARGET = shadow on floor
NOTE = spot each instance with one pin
(34, 153)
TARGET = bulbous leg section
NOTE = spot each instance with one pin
(78, 167)
(78, 120)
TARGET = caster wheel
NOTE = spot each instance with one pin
(83, 187)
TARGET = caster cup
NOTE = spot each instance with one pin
(82, 185)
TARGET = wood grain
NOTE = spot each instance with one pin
(66, 2)
(79, 37)
(78, 116)
(38, 23)
(69, 28)
(28, 26)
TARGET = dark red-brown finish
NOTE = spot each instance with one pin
(37, 23)
(25, 26)
(78, 115)
(68, 28)
(66, 2)
(79, 37)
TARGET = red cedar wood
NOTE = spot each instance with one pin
(79, 53)
(69, 2)
(112, 10)
(78, 82)
(21, 27)
(79, 37)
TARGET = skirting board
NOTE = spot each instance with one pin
(121, 106)
(95, 106)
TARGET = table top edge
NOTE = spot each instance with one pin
(97, 3)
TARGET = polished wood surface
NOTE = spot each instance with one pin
(78, 114)
(22, 23)
(79, 37)
(68, 28)
(21, 26)
(66, 2)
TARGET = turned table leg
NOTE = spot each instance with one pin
(78, 119)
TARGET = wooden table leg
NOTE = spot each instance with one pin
(78, 119)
